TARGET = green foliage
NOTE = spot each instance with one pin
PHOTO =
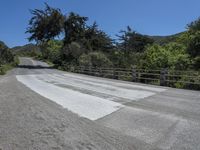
(74, 28)
(183, 38)
(196, 63)
(94, 59)
(6, 55)
(118, 58)
(194, 26)
(172, 56)
(155, 57)
(71, 52)
(52, 51)
(45, 24)
(4, 68)
(194, 44)
(95, 39)
(132, 41)
(7, 60)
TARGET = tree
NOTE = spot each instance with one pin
(74, 28)
(194, 42)
(45, 24)
(131, 41)
(194, 26)
(80, 38)
(194, 38)
(95, 39)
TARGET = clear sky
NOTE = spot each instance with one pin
(152, 17)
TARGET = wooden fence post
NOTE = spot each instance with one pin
(134, 75)
(163, 74)
(80, 69)
(90, 69)
(100, 72)
(115, 73)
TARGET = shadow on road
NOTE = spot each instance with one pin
(34, 67)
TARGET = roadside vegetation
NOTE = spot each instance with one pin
(84, 44)
(7, 59)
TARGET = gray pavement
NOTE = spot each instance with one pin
(143, 116)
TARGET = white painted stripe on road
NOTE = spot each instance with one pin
(84, 105)
(132, 95)
(114, 83)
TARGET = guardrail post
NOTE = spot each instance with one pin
(134, 75)
(163, 74)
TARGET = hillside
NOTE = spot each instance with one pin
(27, 50)
(27, 47)
(166, 39)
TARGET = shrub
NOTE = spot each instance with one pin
(94, 59)
(172, 56)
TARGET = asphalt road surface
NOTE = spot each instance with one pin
(43, 108)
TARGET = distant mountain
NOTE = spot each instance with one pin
(165, 39)
(25, 48)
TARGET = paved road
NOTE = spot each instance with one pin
(137, 115)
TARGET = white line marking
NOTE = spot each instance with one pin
(153, 89)
(101, 88)
(84, 105)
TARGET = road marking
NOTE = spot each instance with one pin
(101, 88)
(84, 105)
(110, 82)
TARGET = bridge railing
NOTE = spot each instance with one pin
(163, 77)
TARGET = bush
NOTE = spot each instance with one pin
(53, 49)
(196, 63)
(94, 59)
(172, 56)
(71, 52)
(4, 68)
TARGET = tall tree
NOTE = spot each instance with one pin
(74, 28)
(45, 24)
(194, 26)
(131, 41)
(96, 39)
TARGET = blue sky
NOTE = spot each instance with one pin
(152, 17)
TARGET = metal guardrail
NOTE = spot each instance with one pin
(161, 77)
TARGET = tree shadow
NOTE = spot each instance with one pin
(35, 67)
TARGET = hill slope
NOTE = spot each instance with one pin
(166, 39)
